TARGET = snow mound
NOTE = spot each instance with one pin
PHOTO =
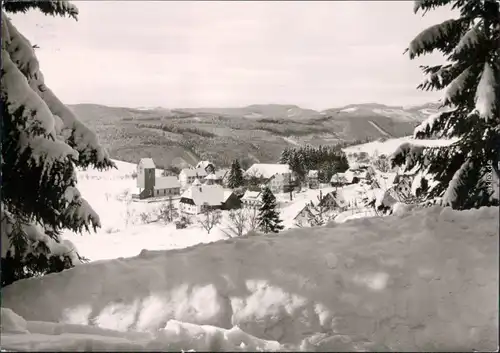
(400, 283)
(175, 336)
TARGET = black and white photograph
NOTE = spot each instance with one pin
(251, 176)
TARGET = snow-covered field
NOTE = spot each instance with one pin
(123, 232)
(423, 281)
(387, 147)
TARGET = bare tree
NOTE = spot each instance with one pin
(210, 218)
(168, 212)
(238, 223)
(252, 218)
(382, 164)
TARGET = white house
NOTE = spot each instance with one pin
(208, 166)
(313, 179)
(216, 178)
(339, 179)
(252, 199)
(197, 197)
(276, 176)
(188, 175)
(151, 186)
(167, 186)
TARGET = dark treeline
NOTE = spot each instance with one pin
(328, 160)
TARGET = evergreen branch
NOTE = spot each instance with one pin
(48, 7)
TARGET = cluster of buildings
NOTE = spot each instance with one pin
(204, 185)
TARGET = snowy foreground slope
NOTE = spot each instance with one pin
(422, 281)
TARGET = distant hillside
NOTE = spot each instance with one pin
(257, 133)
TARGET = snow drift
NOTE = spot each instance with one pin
(422, 281)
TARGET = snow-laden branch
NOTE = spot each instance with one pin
(52, 7)
(469, 40)
(17, 94)
(426, 40)
(82, 139)
(427, 124)
(78, 211)
(456, 86)
(485, 93)
(451, 194)
(35, 236)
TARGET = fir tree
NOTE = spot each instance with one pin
(235, 179)
(268, 219)
(285, 156)
(471, 84)
(42, 144)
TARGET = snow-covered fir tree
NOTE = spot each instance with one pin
(42, 144)
(235, 179)
(285, 155)
(461, 175)
(269, 217)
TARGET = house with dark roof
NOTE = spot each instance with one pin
(197, 198)
(207, 165)
(251, 199)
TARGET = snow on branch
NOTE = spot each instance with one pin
(47, 7)
(81, 138)
(78, 213)
(485, 93)
(46, 151)
(406, 154)
(427, 125)
(451, 194)
(469, 40)
(18, 94)
(456, 86)
(38, 242)
(20, 49)
(427, 40)
(427, 4)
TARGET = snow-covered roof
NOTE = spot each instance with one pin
(212, 177)
(338, 197)
(338, 178)
(304, 209)
(221, 173)
(267, 170)
(213, 195)
(227, 194)
(312, 174)
(167, 182)
(385, 180)
(201, 172)
(196, 182)
(251, 195)
(147, 163)
(203, 164)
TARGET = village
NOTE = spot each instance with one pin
(361, 190)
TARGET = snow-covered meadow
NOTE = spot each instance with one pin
(389, 146)
(124, 232)
(399, 283)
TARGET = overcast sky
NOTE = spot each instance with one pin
(192, 54)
